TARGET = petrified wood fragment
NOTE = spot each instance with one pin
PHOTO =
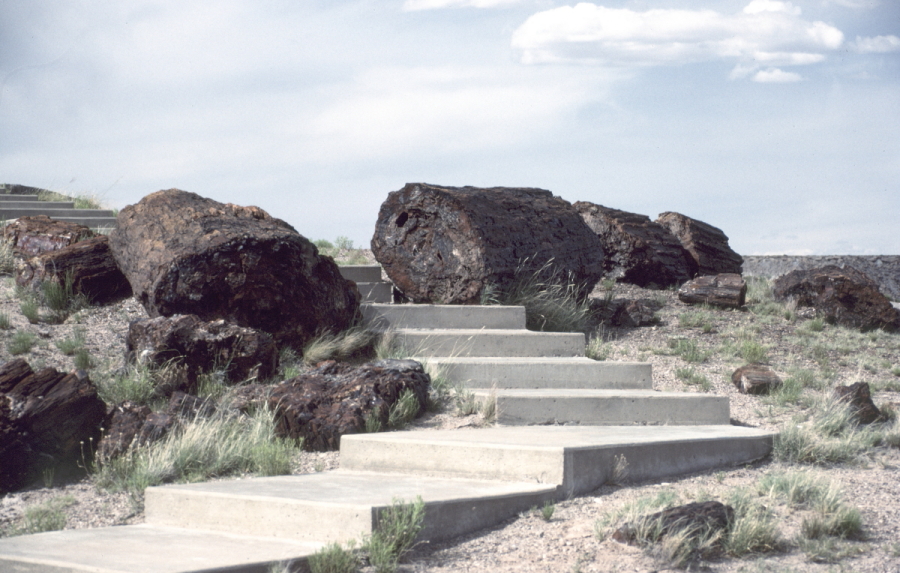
(859, 398)
(755, 379)
(446, 244)
(708, 245)
(30, 236)
(727, 290)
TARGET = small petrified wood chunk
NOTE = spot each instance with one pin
(122, 424)
(185, 254)
(755, 379)
(708, 245)
(727, 290)
(447, 244)
(860, 400)
(30, 236)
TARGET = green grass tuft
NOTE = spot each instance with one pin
(398, 526)
(355, 343)
(21, 343)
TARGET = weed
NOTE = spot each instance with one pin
(844, 522)
(696, 319)
(69, 345)
(373, 423)
(687, 349)
(488, 409)
(693, 378)
(20, 343)
(353, 343)
(753, 352)
(83, 360)
(333, 558)
(394, 536)
(30, 310)
(7, 258)
(404, 410)
(754, 527)
(47, 516)
(547, 511)
(465, 401)
(5, 322)
(598, 349)
(136, 383)
(829, 549)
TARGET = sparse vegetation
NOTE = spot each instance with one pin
(395, 534)
(353, 344)
(342, 251)
(333, 558)
(20, 343)
(693, 378)
(47, 516)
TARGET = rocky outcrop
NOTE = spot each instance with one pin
(755, 379)
(447, 244)
(637, 250)
(841, 296)
(883, 269)
(708, 245)
(726, 290)
(30, 236)
(185, 254)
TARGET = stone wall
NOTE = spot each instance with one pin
(883, 269)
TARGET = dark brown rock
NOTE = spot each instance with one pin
(189, 407)
(727, 290)
(184, 254)
(30, 236)
(122, 424)
(197, 346)
(635, 313)
(696, 516)
(843, 296)
(755, 379)
(446, 244)
(336, 399)
(155, 427)
(638, 251)
(708, 245)
(89, 264)
(860, 400)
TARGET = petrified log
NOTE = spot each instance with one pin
(635, 313)
(30, 236)
(199, 346)
(336, 399)
(843, 296)
(728, 290)
(755, 379)
(89, 264)
(638, 251)
(860, 399)
(708, 245)
(184, 254)
(446, 244)
(122, 424)
(698, 517)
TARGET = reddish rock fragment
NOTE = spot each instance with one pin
(755, 379)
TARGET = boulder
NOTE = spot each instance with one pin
(638, 251)
(448, 244)
(337, 399)
(185, 254)
(860, 400)
(122, 424)
(31, 236)
(843, 296)
(88, 264)
(708, 245)
(635, 313)
(196, 346)
(697, 516)
(726, 290)
(755, 379)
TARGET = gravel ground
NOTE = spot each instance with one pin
(569, 541)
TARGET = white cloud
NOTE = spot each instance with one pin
(876, 45)
(765, 32)
(412, 5)
(776, 76)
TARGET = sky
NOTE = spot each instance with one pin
(778, 122)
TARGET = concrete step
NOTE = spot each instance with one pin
(52, 212)
(425, 343)
(444, 316)
(338, 505)
(30, 205)
(379, 292)
(547, 372)
(11, 197)
(361, 273)
(578, 459)
(587, 407)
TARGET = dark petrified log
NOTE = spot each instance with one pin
(30, 236)
(699, 517)
(198, 346)
(842, 296)
(708, 245)
(860, 400)
(634, 313)
(89, 264)
(184, 254)
(336, 399)
(446, 244)
(638, 251)
(122, 424)
(728, 290)
(755, 379)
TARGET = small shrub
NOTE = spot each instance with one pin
(547, 511)
(753, 352)
(333, 558)
(30, 311)
(7, 258)
(47, 516)
(404, 410)
(696, 319)
(136, 383)
(69, 345)
(693, 378)
(83, 360)
(20, 343)
(754, 529)
(687, 349)
(353, 343)
(394, 536)
(598, 349)
(5, 322)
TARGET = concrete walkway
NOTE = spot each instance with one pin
(567, 426)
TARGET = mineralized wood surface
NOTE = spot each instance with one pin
(185, 254)
(38, 234)
(447, 244)
(708, 245)
(728, 290)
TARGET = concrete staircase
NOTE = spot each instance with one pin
(15, 206)
(368, 280)
(566, 424)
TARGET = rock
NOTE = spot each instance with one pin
(860, 400)
(199, 346)
(336, 399)
(755, 379)
(189, 407)
(184, 254)
(635, 313)
(89, 265)
(708, 245)
(843, 296)
(49, 416)
(726, 290)
(698, 516)
(638, 251)
(30, 236)
(447, 244)
(121, 426)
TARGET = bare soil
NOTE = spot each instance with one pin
(569, 542)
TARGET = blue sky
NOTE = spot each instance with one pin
(778, 122)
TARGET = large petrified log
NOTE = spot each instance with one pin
(89, 264)
(201, 346)
(47, 418)
(728, 290)
(30, 236)
(446, 244)
(638, 250)
(708, 245)
(843, 296)
(185, 254)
